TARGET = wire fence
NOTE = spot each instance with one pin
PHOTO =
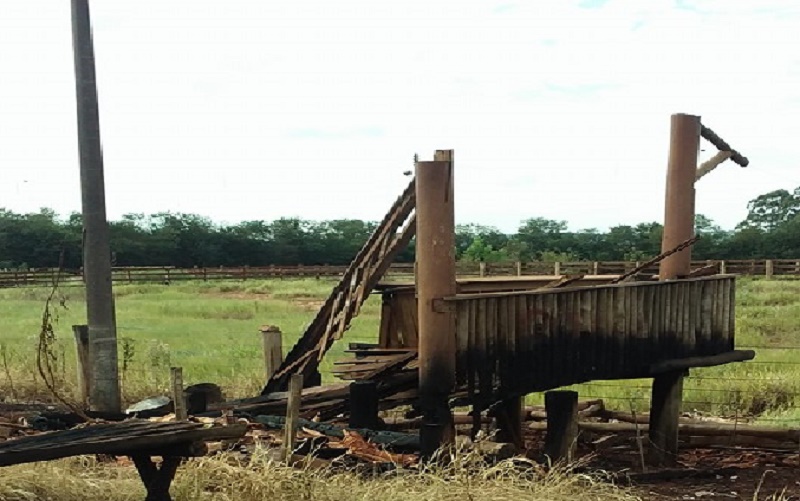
(763, 391)
(767, 268)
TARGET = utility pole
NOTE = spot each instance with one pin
(104, 388)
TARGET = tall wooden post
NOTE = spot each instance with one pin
(679, 197)
(436, 279)
(96, 248)
(665, 403)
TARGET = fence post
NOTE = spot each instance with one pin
(130, 280)
(178, 398)
(519, 269)
(595, 268)
(482, 269)
(769, 269)
(81, 333)
(562, 424)
(272, 340)
(292, 415)
(723, 269)
(557, 268)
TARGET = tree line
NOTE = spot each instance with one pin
(43, 239)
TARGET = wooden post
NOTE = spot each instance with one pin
(363, 405)
(178, 397)
(562, 424)
(665, 408)
(595, 268)
(509, 422)
(769, 269)
(667, 390)
(680, 196)
(292, 415)
(272, 342)
(557, 269)
(81, 333)
(519, 269)
(723, 268)
(482, 269)
(436, 280)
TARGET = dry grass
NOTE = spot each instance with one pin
(226, 478)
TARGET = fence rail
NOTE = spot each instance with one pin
(166, 274)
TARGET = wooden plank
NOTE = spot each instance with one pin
(385, 339)
(619, 329)
(410, 322)
(514, 356)
(462, 342)
(480, 349)
(727, 309)
(472, 359)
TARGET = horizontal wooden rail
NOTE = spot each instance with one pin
(767, 268)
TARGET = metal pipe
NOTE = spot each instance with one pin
(680, 194)
(96, 248)
(436, 279)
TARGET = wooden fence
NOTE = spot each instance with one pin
(159, 274)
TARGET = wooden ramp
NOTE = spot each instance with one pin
(344, 303)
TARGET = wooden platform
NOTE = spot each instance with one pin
(138, 439)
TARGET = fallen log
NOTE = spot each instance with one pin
(586, 408)
(687, 429)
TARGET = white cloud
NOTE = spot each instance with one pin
(255, 110)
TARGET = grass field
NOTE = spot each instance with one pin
(211, 330)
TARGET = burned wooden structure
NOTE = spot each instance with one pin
(492, 341)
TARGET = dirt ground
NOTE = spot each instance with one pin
(701, 474)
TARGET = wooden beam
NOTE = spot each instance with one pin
(711, 164)
(681, 364)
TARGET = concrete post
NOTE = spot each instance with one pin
(436, 279)
(105, 394)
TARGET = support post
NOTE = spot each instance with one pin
(482, 269)
(272, 342)
(769, 269)
(105, 394)
(680, 196)
(363, 405)
(292, 415)
(436, 279)
(562, 425)
(178, 398)
(665, 408)
(557, 269)
(667, 390)
(509, 422)
(81, 333)
(519, 268)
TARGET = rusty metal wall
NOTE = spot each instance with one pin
(511, 343)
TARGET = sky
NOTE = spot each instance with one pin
(254, 110)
